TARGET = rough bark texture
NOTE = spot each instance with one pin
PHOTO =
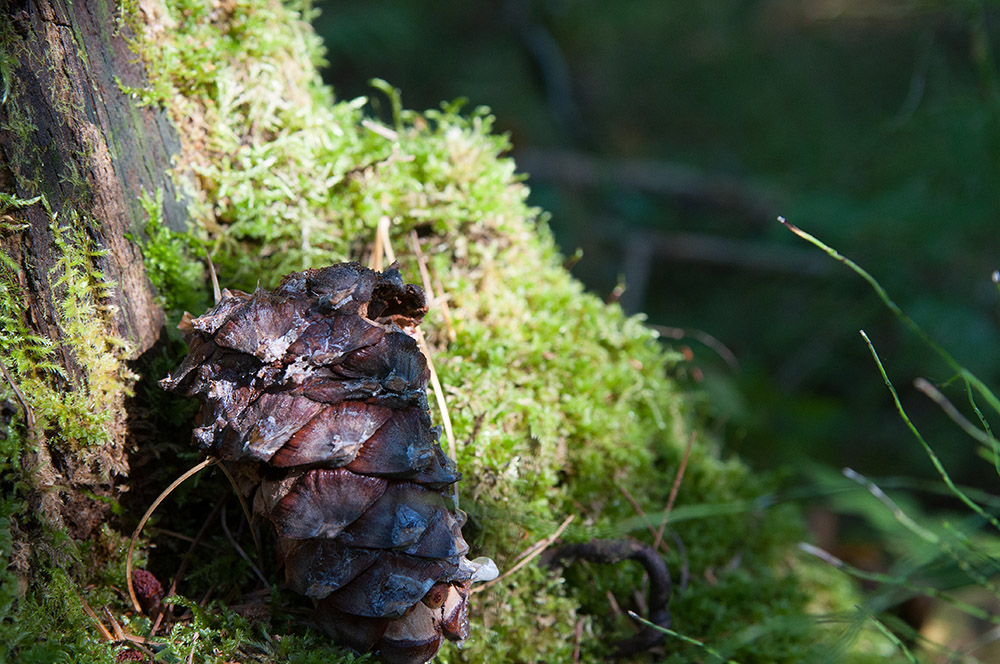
(78, 146)
(68, 132)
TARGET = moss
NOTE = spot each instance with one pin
(17, 120)
(77, 408)
(80, 418)
(561, 404)
(171, 263)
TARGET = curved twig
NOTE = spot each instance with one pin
(614, 551)
(145, 517)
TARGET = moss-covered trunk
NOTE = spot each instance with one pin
(76, 155)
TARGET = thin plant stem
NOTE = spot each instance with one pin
(682, 637)
(145, 517)
(673, 492)
(938, 466)
(986, 427)
(960, 370)
(887, 633)
(878, 577)
(246, 512)
(960, 555)
(528, 555)
(953, 413)
(897, 512)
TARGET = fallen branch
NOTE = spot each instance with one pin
(615, 551)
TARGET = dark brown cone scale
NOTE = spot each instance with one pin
(315, 395)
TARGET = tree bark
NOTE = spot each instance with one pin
(74, 141)
(68, 133)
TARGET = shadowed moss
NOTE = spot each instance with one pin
(77, 418)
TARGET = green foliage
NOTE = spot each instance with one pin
(73, 413)
(935, 555)
(561, 404)
(171, 264)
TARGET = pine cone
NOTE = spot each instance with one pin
(315, 396)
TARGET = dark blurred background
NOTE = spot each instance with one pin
(664, 137)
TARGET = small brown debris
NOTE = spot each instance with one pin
(148, 590)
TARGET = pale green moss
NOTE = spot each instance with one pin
(79, 418)
(169, 256)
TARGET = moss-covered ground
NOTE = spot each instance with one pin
(561, 405)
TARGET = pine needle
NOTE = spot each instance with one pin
(528, 554)
(145, 517)
(673, 492)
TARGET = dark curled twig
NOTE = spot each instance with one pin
(615, 551)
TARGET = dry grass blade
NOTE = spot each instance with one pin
(239, 549)
(375, 260)
(247, 515)
(105, 634)
(425, 277)
(952, 412)
(194, 643)
(120, 634)
(577, 637)
(186, 559)
(439, 396)
(216, 291)
(383, 232)
(382, 241)
(29, 414)
(658, 537)
(528, 554)
(145, 517)
(637, 507)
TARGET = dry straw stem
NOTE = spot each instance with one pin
(439, 300)
(952, 412)
(637, 507)
(145, 517)
(673, 492)
(182, 567)
(105, 634)
(383, 244)
(528, 555)
(249, 518)
(29, 415)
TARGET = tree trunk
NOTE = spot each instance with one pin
(68, 132)
(76, 147)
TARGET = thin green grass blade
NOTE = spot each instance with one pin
(902, 582)
(887, 633)
(986, 427)
(938, 466)
(683, 637)
(957, 367)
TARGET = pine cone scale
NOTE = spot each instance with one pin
(315, 395)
